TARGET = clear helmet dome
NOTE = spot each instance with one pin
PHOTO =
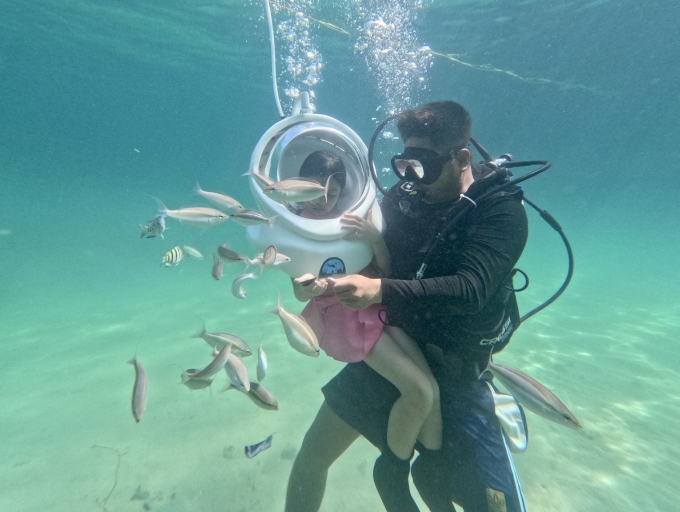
(312, 242)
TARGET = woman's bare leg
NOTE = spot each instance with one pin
(327, 438)
(411, 409)
(431, 431)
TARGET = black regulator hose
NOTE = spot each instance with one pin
(570, 272)
(371, 165)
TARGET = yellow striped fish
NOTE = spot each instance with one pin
(172, 257)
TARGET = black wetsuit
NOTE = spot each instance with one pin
(460, 305)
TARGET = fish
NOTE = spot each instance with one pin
(172, 257)
(259, 260)
(195, 384)
(534, 396)
(221, 201)
(256, 448)
(295, 190)
(260, 396)
(269, 256)
(219, 339)
(230, 257)
(236, 288)
(215, 366)
(247, 217)
(237, 373)
(193, 252)
(217, 267)
(263, 181)
(298, 332)
(154, 228)
(194, 215)
(262, 363)
(138, 401)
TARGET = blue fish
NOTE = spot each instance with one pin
(254, 449)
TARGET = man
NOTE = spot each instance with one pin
(454, 238)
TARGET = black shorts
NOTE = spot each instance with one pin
(474, 457)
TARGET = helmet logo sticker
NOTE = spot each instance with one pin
(332, 267)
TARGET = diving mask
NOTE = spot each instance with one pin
(420, 164)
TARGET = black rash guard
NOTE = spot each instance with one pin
(461, 296)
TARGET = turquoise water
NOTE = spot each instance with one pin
(105, 104)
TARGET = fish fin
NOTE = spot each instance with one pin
(272, 220)
(133, 360)
(197, 189)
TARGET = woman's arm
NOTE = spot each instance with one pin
(364, 230)
(305, 287)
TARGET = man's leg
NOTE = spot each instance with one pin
(327, 438)
(474, 467)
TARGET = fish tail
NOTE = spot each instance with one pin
(162, 209)
(277, 309)
(133, 360)
(272, 220)
(197, 189)
(200, 332)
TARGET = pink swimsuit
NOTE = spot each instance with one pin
(345, 334)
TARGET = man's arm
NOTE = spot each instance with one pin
(491, 249)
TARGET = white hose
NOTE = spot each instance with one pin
(273, 51)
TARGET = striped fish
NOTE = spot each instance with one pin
(154, 228)
(254, 449)
(534, 396)
(172, 257)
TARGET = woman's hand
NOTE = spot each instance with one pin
(307, 286)
(360, 229)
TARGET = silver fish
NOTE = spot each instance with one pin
(298, 332)
(219, 339)
(534, 396)
(138, 401)
(194, 215)
(263, 181)
(260, 396)
(230, 257)
(215, 366)
(262, 363)
(236, 288)
(269, 256)
(226, 203)
(295, 190)
(172, 257)
(154, 228)
(259, 260)
(250, 218)
(217, 268)
(254, 449)
(237, 373)
(193, 252)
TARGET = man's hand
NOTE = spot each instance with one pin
(357, 292)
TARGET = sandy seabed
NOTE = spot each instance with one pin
(71, 444)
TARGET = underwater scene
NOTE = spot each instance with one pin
(112, 112)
